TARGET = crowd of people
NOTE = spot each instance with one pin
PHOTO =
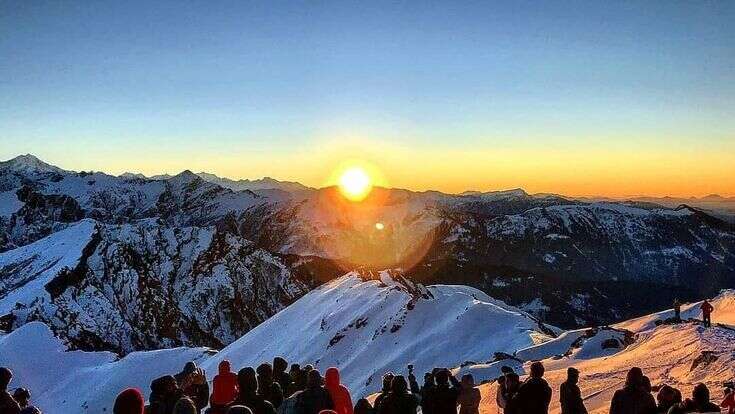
(277, 389)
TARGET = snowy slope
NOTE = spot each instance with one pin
(367, 327)
(73, 382)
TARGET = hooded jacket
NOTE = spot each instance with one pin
(224, 385)
(339, 393)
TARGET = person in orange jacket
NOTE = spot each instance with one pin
(339, 393)
(707, 309)
(224, 387)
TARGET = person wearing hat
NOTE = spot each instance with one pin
(570, 396)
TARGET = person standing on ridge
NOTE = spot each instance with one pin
(280, 365)
(677, 310)
(534, 395)
(339, 393)
(570, 396)
(469, 396)
(707, 309)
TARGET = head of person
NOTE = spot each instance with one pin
(506, 370)
(246, 380)
(512, 381)
(185, 406)
(308, 367)
(190, 368)
(331, 377)
(129, 401)
(387, 379)
(428, 379)
(279, 364)
(634, 378)
(399, 385)
(265, 373)
(295, 369)
(5, 376)
(646, 384)
(665, 395)
(700, 394)
(468, 380)
(313, 379)
(537, 370)
(224, 367)
(442, 377)
(239, 409)
(572, 375)
(363, 406)
(22, 396)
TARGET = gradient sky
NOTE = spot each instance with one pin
(581, 98)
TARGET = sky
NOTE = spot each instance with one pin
(579, 98)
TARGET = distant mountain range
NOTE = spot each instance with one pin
(129, 262)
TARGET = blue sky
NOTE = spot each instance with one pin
(161, 86)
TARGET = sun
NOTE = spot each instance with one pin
(355, 183)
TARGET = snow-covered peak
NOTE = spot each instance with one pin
(373, 323)
(29, 163)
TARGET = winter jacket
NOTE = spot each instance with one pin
(224, 386)
(729, 402)
(707, 308)
(129, 401)
(161, 400)
(312, 400)
(469, 401)
(426, 391)
(8, 404)
(271, 392)
(256, 403)
(570, 398)
(199, 393)
(339, 393)
(632, 400)
(534, 396)
(403, 403)
(689, 406)
(443, 399)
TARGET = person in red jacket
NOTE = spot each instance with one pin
(339, 393)
(129, 401)
(224, 387)
(729, 401)
(707, 309)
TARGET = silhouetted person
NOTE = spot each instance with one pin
(224, 388)
(469, 396)
(425, 391)
(534, 395)
(500, 395)
(165, 392)
(699, 403)
(247, 385)
(193, 384)
(267, 387)
(677, 310)
(707, 309)
(666, 398)
(384, 391)
(23, 397)
(570, 396)
(315, 397)
(443, 398)
(363, 407)
(7, 402)
(298, 379)
(510, 393)
(280, 375)
(340, 394)
(399, 400)
(632, 398)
